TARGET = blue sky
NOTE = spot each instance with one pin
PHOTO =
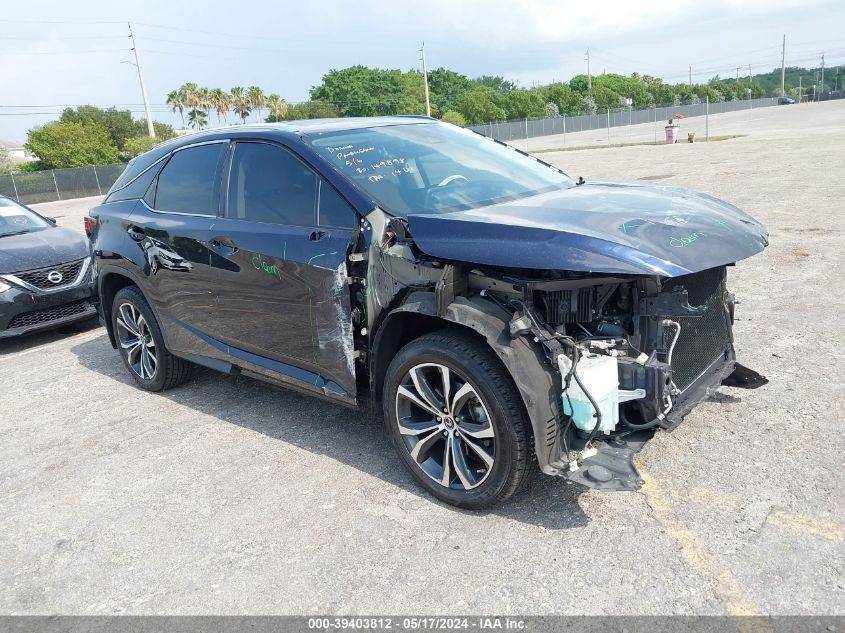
(285, 47)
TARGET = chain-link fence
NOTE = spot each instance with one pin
(532, 128)
(60, 184)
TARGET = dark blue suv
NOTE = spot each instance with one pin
(500, 315)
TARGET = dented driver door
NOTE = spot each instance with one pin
(281, 292)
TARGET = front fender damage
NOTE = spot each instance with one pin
(540, 323)
(532, 375)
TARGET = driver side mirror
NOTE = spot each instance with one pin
(51, 220)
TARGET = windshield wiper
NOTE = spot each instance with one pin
(14, 233)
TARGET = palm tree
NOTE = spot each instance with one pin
(175, 101)
(221, 102)
(204, 100)
(240, 104)
(197, 118)
(188, 92)
(277, 107)
(256, 100)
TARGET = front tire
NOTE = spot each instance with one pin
(141, 343)
(457, 420)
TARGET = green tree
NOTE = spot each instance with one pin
(567, 100)
(163, 130)
(312, 110)
(446, 88)
(118, 123)
(204, 101)
(479, 105)
(361, 91)
(197, 118)
(220, 103)
(31, 166)
(256, 100)
(72, 144)
(497, 83)
(579, 84)
(189, 93)
(606, 99)
(176, 104)
(277, 108)
(522, 104)
(455, 118)
(240, 103)
(412, 100)
(138, 145)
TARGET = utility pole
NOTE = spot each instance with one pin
(150, 129)
(749, 73)
(589, 79)
(783, 66)
(690, 76)
(821, 86)
(800, 77)
(425, 81)
(737, 74)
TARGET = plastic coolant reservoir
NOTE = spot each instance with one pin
(600, 376)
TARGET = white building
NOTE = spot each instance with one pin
(15, 152)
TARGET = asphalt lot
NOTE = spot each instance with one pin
(226, 496)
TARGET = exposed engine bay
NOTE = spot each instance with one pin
(616, 356)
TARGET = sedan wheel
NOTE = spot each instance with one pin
(445, 426)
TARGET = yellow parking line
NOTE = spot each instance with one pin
(807, 524)
(696, 553)
(792, 520)
(712, 499)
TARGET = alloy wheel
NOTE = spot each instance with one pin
(136, 341)
(445, 426)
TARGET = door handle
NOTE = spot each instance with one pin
(316, 236)
(223, 245)
(135, 233)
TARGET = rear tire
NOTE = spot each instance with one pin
(457, 420)
(141, 344)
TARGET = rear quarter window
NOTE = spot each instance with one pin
(136, 188)
(189, 182)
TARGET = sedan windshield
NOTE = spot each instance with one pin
(435, 168)
(15, 218)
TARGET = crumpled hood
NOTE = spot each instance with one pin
(38, 249)
(601, 226)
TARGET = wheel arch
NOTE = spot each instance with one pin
(488, 324)
(110, 280)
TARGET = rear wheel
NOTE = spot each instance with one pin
(141, 344)
(457, 420)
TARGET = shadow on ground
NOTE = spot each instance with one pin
(37, 339)
(353, 438)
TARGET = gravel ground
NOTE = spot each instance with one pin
(226, 496)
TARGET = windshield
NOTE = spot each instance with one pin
(15, 218)
(435, 168)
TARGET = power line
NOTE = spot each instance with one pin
(76, 22)
(70, 52)
(83, 37)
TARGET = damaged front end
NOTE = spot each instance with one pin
(636, 355)
(602, 360)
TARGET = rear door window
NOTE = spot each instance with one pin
(189, 183)
(269, 184)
